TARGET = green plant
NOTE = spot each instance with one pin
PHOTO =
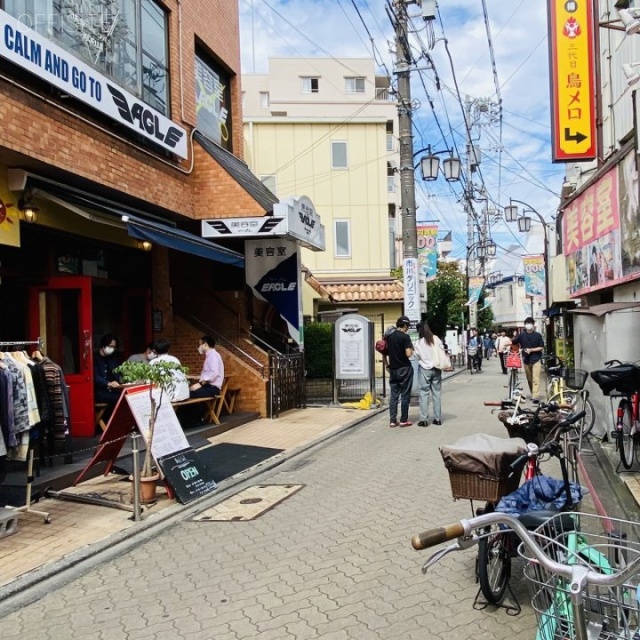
(318, 346)
(160, 375)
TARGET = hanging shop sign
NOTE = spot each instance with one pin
(428, 250)
(572, 75)
(28, 49)
(273, 269)
(534, 276)
(9, 217)
(295, 218)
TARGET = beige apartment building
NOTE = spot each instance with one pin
(327, 129)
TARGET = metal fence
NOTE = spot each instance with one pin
(286, 382)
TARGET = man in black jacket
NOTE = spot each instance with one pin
(399, 350)
(532, 346)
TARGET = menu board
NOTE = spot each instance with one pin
(168, 436)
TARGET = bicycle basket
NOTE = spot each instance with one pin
(575, 378)
(472, 351)
(581, 539)
(528, 428)
(624, 378)
(513, 361)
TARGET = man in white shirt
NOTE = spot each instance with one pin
(210, 380)
(180, 385)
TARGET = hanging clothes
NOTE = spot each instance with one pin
(58, 396)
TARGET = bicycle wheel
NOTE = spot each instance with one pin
(625, 439)
(512, 383)
(470, 363)
(494, 562)
(574, 400)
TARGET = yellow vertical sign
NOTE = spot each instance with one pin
(571, 50)
(9, 217)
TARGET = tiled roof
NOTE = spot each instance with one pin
(361, 290)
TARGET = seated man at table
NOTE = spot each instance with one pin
(106, 381)
(210, 380)
(180, 389)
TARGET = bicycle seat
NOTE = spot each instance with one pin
(555, 371)
(534, 519)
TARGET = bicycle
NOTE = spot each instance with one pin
(497, 548)
(513, 362)
(474, 358)
(565, 386)
(580, 578)
(622, 380)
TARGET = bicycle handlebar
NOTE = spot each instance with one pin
(578, 574)
(432, 537)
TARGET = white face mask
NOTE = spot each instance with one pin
(528, 327)
(152, 355)
(108, 351)
(201, 349)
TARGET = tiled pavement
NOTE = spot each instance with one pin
(333, 561)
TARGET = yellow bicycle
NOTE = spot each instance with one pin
(565, 387)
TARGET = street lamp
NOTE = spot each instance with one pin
(524, 226)
(430, 165)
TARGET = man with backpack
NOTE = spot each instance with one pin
(399, 349)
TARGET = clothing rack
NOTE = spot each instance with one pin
(26, 508)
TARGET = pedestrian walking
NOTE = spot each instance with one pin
(503, 342)
(532, 346)
(428, 350)
(399, 350)
(487, 345)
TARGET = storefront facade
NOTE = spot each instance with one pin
(103, 180)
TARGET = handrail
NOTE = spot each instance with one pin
(226, 343)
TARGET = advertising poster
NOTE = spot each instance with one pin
(272, 270)
(428, 250)
(629, 217)
(475, 289)
(9, 217)
(534, 276)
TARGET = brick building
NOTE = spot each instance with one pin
(104, 181)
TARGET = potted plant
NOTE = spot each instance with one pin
(160, 375)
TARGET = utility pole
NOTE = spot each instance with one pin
(407, 176)
(468, 207)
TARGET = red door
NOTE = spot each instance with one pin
(60, 313)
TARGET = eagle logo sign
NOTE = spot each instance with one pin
(571, 28)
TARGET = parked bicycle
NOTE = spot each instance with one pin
(565, 386)
(582, 570)
(471, 478)
(513, 362)
(622, 380)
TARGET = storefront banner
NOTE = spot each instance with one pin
(572, 65)
(475, 289)
(272, 270)
(28, 49)
(629, 217)
(9, 217)
(428, 250)
(534, 276)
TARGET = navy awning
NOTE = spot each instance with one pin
(182, 241)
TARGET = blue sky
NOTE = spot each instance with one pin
(516, 157)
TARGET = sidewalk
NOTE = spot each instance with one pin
(79, 532)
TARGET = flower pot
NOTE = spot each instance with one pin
(148, 487)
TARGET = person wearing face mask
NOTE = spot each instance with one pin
(532, 346)
(210, 379)
(145, 357)
(180, 389)
(106, 382)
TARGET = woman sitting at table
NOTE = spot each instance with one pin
(105, 381)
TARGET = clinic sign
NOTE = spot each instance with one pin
(572, 76)
(28, 49)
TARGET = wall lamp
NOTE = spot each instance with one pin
(145, 245)
(630, 72)
(630, 18)
(430, 165)
(25, 204)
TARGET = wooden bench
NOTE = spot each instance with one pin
(100, 408)
(226, 399)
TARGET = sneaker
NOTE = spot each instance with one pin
(406, 423)
(393, 423)
(437, 422)
(423, 423)
(535, 401)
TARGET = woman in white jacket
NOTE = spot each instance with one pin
(429, 376)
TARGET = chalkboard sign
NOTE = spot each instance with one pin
(188, 478)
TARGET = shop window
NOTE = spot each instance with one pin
(125, 40)
(342, 238)
(338, 155)
(213, 103)
(264, 99)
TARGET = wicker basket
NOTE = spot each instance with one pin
(472, 487)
